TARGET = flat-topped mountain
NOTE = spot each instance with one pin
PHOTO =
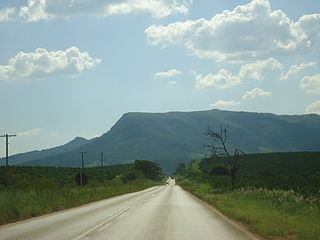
(173, 137)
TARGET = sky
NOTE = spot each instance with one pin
(73, 67)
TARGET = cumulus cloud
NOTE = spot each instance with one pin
(6, 14)
(222, 103)
(256, 92)
(48, 9)
(295, 69)
(313, 108)
(311, 84)
(223, 79)
(251, 31)
(167, 74)
(311, 27)
(30, 132)
(252, 71)
(42, 64)
(257, 70)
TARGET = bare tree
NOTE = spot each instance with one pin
(219, 148)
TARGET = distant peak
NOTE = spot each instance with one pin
(78, 140)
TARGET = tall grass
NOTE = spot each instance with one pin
(283, 198)
(272, 213)
(19, 204)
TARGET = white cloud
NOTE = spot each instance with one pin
(221, 80)
(173, 82)
(6, 14)
(252, 71)
(222, 103)
(295, 69)
(35, 11)
(311, 84)
(251, 31)
(43, 64)
(314, 108)
(30, 132)
(256, 92)
(167, 74)
(258, 70)
(311, 27)
(48, 9)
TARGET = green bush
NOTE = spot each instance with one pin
(131, 174)
(219, 170)
(149, 169)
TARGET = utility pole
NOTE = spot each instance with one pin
(101, 159)
(7, 136)
(82, 167)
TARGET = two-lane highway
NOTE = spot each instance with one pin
(166, 212)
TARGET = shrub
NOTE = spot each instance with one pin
(149, 169)
(219, 169)
(131, 174)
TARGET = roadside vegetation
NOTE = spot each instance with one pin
(27, 192)
(272, 203)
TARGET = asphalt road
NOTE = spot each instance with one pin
(166, 212)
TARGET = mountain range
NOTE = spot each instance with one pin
(40, 154)
(173, 137)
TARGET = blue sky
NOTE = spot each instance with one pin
(72, 67)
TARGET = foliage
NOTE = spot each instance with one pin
(292, 163)
(206, 164)
(41, 177)
(219, 169)
(304, 184)
(149, 169)
(131, 174)
(181, 169)
(297, 170)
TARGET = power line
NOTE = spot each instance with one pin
(7, 136)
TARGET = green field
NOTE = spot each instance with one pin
(291, 163)
(27, 192)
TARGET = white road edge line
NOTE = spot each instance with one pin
(236, 224)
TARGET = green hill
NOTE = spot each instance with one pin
(30, 156)
(169, 138)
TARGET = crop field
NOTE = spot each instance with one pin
(27, 192)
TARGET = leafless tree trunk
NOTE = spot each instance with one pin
(218, 148)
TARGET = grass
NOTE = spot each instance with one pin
(19, 204)
(273, 214)
(27, 192)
